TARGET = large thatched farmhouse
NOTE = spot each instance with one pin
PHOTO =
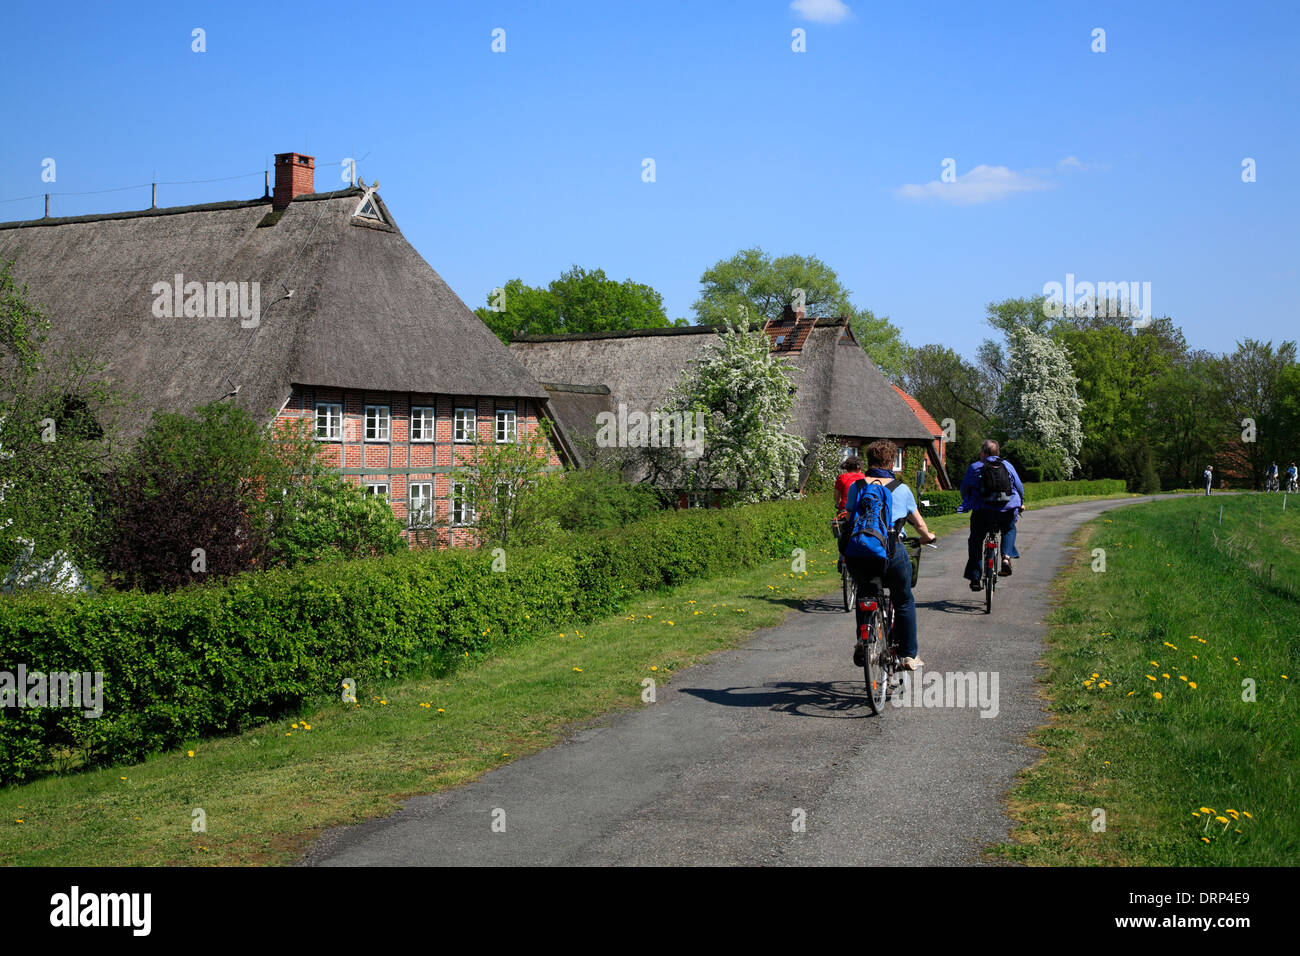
(297, 304)
(840, 392)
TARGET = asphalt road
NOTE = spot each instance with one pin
(742, 749)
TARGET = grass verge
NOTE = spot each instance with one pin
(1169, 677)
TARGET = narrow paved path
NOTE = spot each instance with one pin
(715, 771)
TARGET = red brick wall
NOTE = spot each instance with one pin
(398, 461)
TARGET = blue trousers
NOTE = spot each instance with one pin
(897, 576)
(983, 521)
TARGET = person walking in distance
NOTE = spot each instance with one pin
(1209, 477)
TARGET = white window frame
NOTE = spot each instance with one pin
(464, 437)
(431, 421)
(426, 504)
(509, 417)
(850, 451)
(898, 459)
(333, 422)
(372, 487)
(386, 430)
(463, 516)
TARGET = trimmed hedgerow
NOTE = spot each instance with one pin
(216, 658)
(946, 502)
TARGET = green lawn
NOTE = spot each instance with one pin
(1148, 666)
(267, 792)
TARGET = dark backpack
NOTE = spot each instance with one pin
(870, 507)
(995, 483)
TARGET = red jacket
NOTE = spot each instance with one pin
(842, 484)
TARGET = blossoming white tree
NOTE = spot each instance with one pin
(747, 397)
(1039, 404)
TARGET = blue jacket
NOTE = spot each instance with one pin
(970, 488)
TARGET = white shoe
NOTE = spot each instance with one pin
(912, 663)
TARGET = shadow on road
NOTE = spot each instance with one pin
(954, 607)
(835, 699)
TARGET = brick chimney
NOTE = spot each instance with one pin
(294, 176)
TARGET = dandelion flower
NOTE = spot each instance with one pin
(1192, 684)
(1205, 839)
(577, 670)
(1246, 815)
(1157, 695)
(1221, 819)
(1149, 677)
(654, 667)
(441, 711)
(189, 753)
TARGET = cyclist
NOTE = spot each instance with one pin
(1291, 477)
(896, 571)
(994, 495)
(850, 471)
(1270, 478)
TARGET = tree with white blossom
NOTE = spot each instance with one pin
(746, 396)
(1038, 404)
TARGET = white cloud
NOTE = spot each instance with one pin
(981, 184)
(822, 11)
(1071, 162)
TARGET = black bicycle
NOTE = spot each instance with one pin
(880, 658)
(992, 564)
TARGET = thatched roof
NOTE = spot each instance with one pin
(839, 389)
(367, 312)
(574, 408)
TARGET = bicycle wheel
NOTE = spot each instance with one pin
(874, 658)
(990, 578)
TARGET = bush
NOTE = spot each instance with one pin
(590, 499)
(946, 502)
(216, 658)
(333, 518)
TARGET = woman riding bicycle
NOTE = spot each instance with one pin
(897, 573)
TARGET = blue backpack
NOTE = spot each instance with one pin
(870, 506)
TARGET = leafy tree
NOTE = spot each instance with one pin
(1255, 381)
(1038, 404)
(947, 386)
(756, 287)
(578, 301)
(509, 492)
(1189, 423)
(56, 435)
(589, 499)
(746, 397)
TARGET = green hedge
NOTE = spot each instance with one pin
(214, 659)
(946, 502)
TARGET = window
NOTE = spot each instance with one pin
(329, 421)
(462, 504)
(898, 459)
(422, 419)
(465, 425)
(504, 496)
(377, 488)
(697, 500)
(849, 451)
(377, 423)
(505, 425)
(420, 512)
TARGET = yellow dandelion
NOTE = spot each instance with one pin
(1205, 839)
(441, 711)
(1096, 675)
(1206, 810)
(1182, 677)
(1130, 693)
(670, 624)
(1192, 684)
(1195, 814)
(577, 670)
(1154, 664)
(189, 753)
(654, 667)
(384, 702)
(1149, 677)
(1157, 695)
(1221, 819)
(1167, 644)
(1246, 815)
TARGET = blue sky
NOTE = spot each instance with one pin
(1115, 166)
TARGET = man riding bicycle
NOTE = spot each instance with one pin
(1291, 478)
(994, 495)
(895, 571)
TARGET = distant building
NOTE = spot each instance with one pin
(840, 392)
